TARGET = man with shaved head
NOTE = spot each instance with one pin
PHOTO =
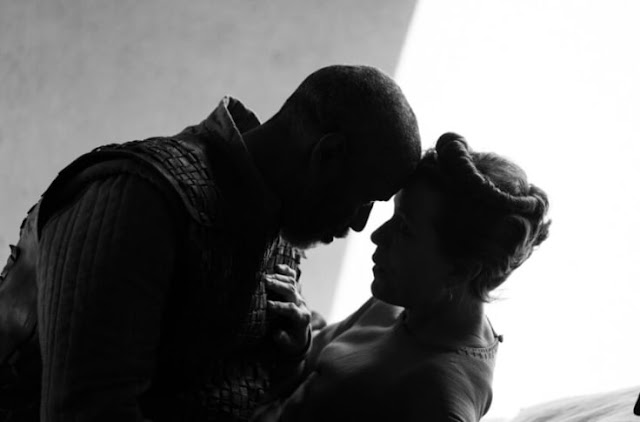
(345, 138)
(151, 297)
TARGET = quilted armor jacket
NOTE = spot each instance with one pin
(213, 358)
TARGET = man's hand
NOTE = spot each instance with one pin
(293, 335)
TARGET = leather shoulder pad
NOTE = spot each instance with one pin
(181, 167)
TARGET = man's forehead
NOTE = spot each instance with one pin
(389, 176)
(382, 193)
(382, 186)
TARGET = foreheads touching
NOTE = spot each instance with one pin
(367, 111)
(362, 144)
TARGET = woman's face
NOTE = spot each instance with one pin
(410, 269)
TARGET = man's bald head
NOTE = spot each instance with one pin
(367, 107)
(347, 137)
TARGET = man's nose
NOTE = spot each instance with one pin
(362, 216)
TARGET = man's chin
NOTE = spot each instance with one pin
(326, 239)
(298, 241)
(307, 242)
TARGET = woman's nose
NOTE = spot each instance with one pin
(378, 234)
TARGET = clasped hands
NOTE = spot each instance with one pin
(293, 335)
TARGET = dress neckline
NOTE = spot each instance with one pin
(487, 352)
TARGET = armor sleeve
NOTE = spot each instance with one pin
(105, 266)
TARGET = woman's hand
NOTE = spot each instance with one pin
(293, 335)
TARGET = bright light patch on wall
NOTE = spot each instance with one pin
(554, 86)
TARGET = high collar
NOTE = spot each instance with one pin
(221, 132)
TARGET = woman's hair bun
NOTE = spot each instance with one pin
(457, 163)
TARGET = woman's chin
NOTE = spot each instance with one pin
(378, 291)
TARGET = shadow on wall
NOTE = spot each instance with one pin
(76, 74)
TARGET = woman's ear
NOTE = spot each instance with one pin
(473, 270)
(459, 278)
(328, 156)
(464, 272)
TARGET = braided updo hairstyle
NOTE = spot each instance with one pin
(492, 216)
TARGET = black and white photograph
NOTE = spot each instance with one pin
(319, 211)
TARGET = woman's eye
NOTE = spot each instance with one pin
(402, 226)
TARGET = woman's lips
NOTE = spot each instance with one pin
(377, 266)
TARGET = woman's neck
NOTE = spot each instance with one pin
(451, 324)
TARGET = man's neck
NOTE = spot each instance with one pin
(275, 156)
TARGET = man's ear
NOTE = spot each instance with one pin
(328, 156)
